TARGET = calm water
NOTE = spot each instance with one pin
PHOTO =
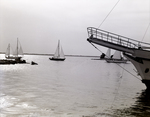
(77, 87)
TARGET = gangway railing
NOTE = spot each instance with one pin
(115, 38)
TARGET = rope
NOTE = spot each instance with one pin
(148, 24)
(109, 13)
(129, 72)
(146, 31)
(96, 47)
(118, 64)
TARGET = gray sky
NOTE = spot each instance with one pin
(39, 24)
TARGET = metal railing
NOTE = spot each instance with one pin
(114, 38)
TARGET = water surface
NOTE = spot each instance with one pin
(76, 87)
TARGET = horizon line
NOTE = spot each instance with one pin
(53, 54)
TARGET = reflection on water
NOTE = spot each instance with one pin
(141, 107)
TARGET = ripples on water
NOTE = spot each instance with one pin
(77, 87)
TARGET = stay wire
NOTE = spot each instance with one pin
(148, 24)
(118, 64)
(96, 47)
(109, 13)
(146, 31)
(128, 72)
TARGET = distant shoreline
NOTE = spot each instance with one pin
(52, 55)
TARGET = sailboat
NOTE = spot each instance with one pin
(59, 54)
(17, 55)
(117, 58)
(107, 55)
(18, 52)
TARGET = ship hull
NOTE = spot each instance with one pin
(143, 68)
(5, 62)
(116, 61)
(57, 59)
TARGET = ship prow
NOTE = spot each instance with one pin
(135, 51)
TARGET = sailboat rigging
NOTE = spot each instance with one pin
(59, 54)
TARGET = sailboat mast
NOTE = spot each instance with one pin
(59, 48)
(9, 50)
(17, 46)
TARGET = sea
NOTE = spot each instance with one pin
(76, 87)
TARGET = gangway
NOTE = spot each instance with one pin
(118, 42)
(136, 51)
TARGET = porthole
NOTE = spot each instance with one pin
(146, 70)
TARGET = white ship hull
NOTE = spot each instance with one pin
(143, 67)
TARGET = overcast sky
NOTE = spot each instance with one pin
(39, 24)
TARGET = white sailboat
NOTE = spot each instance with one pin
(117, 58)
(117, 55)
(108, 53)
(18, 54)
(59, 54)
